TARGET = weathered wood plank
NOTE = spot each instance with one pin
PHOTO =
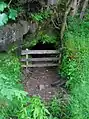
(40, 59)
(41, 65)
(24, 52)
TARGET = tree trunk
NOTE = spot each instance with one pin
(83, 8)
(64, 21)
(74, 7)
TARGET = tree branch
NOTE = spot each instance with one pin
(64, 21)
(9, 3)
(55, 24)
(83, 8)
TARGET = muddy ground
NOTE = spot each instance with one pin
(38, 82)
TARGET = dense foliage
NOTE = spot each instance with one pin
(10, 90)
(75, 65)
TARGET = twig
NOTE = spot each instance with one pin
(55, 24)
(9, 3)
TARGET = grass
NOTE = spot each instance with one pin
(76, 66)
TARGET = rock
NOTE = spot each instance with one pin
(46, 86)
(42, 87)
(13, 32)
(49, 92)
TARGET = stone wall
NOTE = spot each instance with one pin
(11, 33)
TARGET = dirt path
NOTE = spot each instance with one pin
(38, 82)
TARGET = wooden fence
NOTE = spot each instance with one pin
(43, 61)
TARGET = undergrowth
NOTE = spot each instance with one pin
(11, 93)
(41, 16)
(14, 102)
(75, 65)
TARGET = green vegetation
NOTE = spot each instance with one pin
(11, 93)
(76, 66)
(41, 16)
(42, 37)
(6, 13)
(37, 109)
(55, 107)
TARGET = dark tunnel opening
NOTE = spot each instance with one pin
(46, 46)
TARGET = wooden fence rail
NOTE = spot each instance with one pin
(50, 60)
(40, 59)
(30, 52)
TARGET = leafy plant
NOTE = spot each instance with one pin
(37, 109)
(41, 16)
(6, 13)
(10, 90)
(55, 107)
(3, 19)
(75, 64)
(12, 14)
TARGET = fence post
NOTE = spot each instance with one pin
(26, 61)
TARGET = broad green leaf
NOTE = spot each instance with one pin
(12, 14)
(47, 111)
(3, 5)
(3, 19)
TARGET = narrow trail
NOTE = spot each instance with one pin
(38, 82)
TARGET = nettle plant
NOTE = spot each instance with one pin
(6, 13)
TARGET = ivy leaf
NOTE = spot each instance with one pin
(3, 19)
(3, 5)
(12, 14)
